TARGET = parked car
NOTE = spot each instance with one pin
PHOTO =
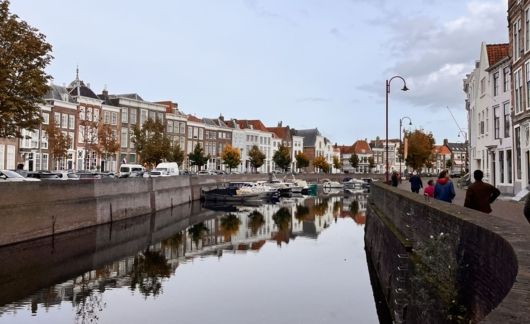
(131, 170)
(12, 176)
(88, 175)
(43, 175)
(203, 172)
(66, 175)
(164, 169)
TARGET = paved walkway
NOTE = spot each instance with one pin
(503, 207)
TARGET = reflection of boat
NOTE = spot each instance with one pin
(230, 195)
(326, 183)
(226, 207)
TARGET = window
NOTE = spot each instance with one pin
(106, 117)
(114, 118)
(46, 118)
(176, 127)
(124, 137)
(89, 114)
(496, 122)
(516, 40)
(57, 119)
(527, 71)
(169, 128)
(483, 85)
(82, 113)
(190, 132)
(183, 128)
(487, 121)
(131, 135)
(518, 88)
(501, 166)
(64, 121)
(527, 30)
(518, 153)
(143, 116)
(506, 119)
(71, 121)
(509, 165)
(496, 83)
(124, 115)
(133, 113)
(96, 115)
(505, 79)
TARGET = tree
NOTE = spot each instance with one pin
(420, 147)
(231, 157)
(321, 163)
(282, 157)
(58, 143)
(197, 157)
(257, 158)
(354, 161)
(150, 142)
(108, 141)
(229, 226)
(336, 163)
(371, 163)
(24, 54)
(256, 221)
(301, 160)
(176, 154)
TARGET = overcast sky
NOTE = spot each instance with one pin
(308, 63)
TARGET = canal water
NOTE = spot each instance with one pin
(300, 260)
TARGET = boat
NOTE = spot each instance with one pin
(241, 191)
(329, 184)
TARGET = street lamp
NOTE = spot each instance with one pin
(386, 111)
(400, 144)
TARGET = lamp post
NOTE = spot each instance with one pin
(401, 124)
(467, 151)
(387, 90)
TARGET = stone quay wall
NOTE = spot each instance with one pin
(437, 262)
(30, 210)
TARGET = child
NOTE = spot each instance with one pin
(429, 190)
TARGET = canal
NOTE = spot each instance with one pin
(301, 260)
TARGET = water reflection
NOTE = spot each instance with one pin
(143, 253)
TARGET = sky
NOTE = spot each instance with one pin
(308, 63)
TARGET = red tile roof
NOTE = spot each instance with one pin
(281, 132)
(441, 149)
(194, 119)
(496, 52)
(345, 149)
(361, 147)
(255, 123)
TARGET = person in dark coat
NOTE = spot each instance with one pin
(394, 179)
(415, 183)
(444, 189)
(527, 208)
(480, 195)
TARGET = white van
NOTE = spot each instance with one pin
(166, 169)
(131, 170)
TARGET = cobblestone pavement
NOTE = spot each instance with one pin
(502, 207)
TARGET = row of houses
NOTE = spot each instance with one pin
(79, 112)
(498, 105)
(446, 156)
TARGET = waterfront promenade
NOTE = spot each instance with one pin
(503, 207)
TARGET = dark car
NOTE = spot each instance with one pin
(43, 175)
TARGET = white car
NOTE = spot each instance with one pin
(12, 176)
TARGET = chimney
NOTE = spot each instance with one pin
(221, 117)
(446, 142)
(280, 123)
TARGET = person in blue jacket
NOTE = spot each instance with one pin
(415, 182)
(444, 189)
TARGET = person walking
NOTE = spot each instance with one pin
(444, 189)
(394, 179)
(480, 195)
(415, 182)
(429, 190)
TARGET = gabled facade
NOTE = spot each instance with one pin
(217, 135)
(246, 134)
(519, 53)
(364, 152)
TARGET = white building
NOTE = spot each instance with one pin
(488, 103)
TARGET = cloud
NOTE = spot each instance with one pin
(312, 99)
(434, 56)
(260, 10)
(336, 32)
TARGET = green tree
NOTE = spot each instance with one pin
(24, 54)
(321, 163)
(301, 160)
(150, 141)
(371, 163)
(336, 163)
(282, 157)
(354, 161)
(231, 157)
(229, 226)
(176, 154)
(257, 158)
(420, 145)
(197, 157)
(58, 143)
(256, 221)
